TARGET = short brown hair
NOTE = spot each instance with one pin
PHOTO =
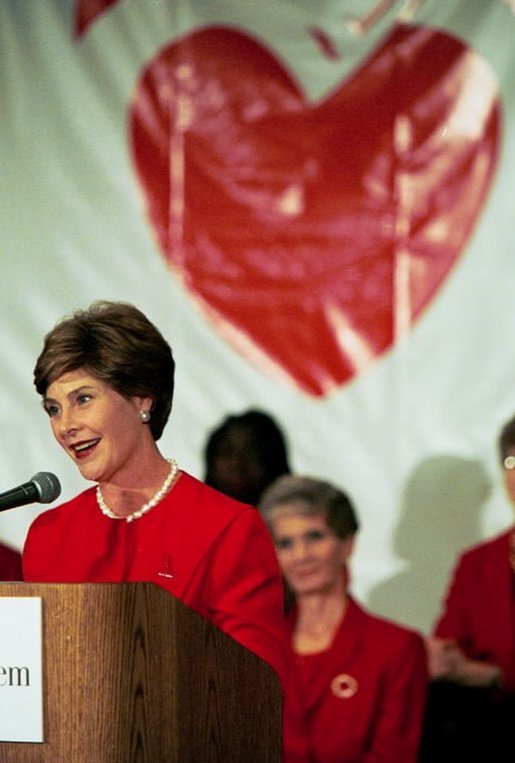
(311, 496)
(116, 343)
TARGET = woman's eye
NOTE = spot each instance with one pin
(83, 398)
(315, 535)
(283, 543)
(52, 410)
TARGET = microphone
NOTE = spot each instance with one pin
(44, 487)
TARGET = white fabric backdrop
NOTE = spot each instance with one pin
(412, 438)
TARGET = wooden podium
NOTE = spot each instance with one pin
(130, 674)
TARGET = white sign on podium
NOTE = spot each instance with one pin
(21, 685)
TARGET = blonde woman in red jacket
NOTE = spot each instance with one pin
(362, 679)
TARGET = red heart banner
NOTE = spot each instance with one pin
(313, 235)
(87, 12)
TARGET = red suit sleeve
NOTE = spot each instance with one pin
(454, 620)
(398, 729)
(246, 601)
(245, 592)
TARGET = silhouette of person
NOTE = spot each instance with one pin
(440, 515)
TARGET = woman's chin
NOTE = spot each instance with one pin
(310, 588)
(89, 472)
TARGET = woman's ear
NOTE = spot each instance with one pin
(144, 404)
(348, 547)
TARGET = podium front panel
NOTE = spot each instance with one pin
(131, 674)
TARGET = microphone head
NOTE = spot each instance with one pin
(47, 485)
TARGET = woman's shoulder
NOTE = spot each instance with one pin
(196, 510)
(388, 631)
(10, 563)
(65, 510)
(204, 500)
(486, 558)
(486, 548)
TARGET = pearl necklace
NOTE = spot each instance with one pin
(165, 487)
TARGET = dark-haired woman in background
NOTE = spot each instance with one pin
(362, 679)
(245, 454)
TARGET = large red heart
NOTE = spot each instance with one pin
(314, 235)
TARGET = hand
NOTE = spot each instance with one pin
(447, 661)
(443, 658)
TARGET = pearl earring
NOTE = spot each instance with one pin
(144, 416)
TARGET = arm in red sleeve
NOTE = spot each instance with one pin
(400, 713)
(246, 601)
(454, 622)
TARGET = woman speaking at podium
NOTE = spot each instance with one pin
(106, 376)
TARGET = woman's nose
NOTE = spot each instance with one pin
(300, 550)
(67, 422)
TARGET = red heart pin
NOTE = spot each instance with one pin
(314, 234)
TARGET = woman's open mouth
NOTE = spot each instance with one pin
(83, 449)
